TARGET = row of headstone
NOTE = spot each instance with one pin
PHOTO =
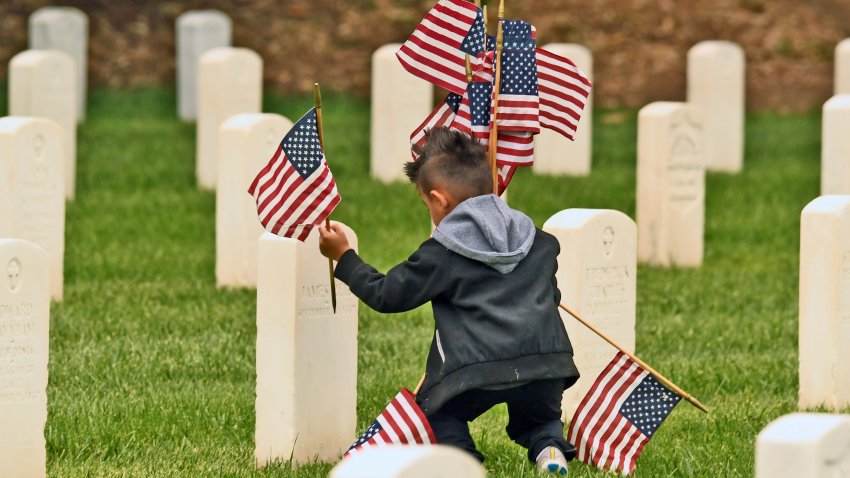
(300, 338)
(24, 345)
(32, 185)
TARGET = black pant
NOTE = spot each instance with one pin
(534, 411)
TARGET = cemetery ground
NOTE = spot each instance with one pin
(152, 367)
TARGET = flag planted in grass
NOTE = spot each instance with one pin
(401, 423)
(296, 191)
(620, 413)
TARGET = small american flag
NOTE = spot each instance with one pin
(401, 422)
(620, 413)
(518, 99)
(563, 90)
(437, 49)
(295, 191)
(443, 115)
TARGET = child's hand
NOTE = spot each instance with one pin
(332, 242)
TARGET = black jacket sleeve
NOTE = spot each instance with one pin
(405, 287)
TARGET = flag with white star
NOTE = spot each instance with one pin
(620, 413)
(401, 423)
(296, 191)
(518, 99)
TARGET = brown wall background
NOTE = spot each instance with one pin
(639, 46)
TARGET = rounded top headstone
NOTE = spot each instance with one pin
(226, 52)
(53, 13)
(388, 50)
(838, 102)
(716, 46)
(804, 427)
(406, 461)
(830, 203)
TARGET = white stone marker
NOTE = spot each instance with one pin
(41, 83)
(555, 154)
(842, 67)
(835, 146)
(32, 197)
(671, 185)
(825, 303)
(400, 103)
(716, 87)
(246, 143)
(306, 355)
(230, 81)
(197, 32)
(811, 445)
(597, 272)
(65, 29)
(403, 461)
(24, 324)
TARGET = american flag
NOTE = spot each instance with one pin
(518, 100)
(443, 115)
(620, 413)
(295, 191)
(401, 422)
(563, 90)
(437, 49)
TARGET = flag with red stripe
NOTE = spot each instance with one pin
(401, 423)
(620, 413)
(563, 90)
(518, 99)
(437, 49)
(443, 115)
(296, 191)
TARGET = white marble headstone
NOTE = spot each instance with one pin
(41, 83)
(230, 81)
(842, 67)
(835, 146)
(197, 32)
(306, 355)
(400, 103)
(554, 153)
(32, 197)
(403, 461)
(671, 185)
(24, 324)
(825, 303)
(65, 29)
(810, 445)
(246, 143)
(716, 84)
(597, 276)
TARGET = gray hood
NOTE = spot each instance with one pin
(485, 229)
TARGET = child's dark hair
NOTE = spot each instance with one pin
(453, 160)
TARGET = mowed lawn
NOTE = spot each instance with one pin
(152, 366)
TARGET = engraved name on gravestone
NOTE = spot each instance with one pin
(554, 153)
(246, 143)
(299, 338)
(597, 272)
(32, 200)
(230, 82)
(814, 445)
(400, 102)
(716, 87)
(41, 83)
(65, 29)
(197, 32)
(24, 323)
(671, 185)
(825, 303)
(835, 146)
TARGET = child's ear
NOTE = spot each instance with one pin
(439, 198)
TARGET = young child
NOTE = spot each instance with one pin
(490, 277)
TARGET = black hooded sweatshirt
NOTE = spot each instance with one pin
(490, 277)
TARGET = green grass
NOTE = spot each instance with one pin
(152, 367)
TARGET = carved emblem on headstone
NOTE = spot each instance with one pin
(38, 145)
(14, 272)
(608, 241)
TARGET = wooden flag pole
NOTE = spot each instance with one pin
(638, 361)
(317, 100)
(497, 81)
